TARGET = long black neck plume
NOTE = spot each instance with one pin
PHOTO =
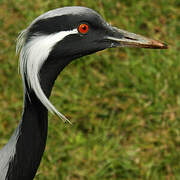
(34, 126)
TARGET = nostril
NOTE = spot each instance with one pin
(131, 38)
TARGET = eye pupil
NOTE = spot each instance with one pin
(83, 28)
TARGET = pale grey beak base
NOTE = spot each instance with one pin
(123, 39)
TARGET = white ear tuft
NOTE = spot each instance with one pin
(32, 56)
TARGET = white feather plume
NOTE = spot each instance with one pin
(32, 56)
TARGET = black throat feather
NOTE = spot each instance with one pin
(34, 125)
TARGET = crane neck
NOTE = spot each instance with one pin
(34, 126)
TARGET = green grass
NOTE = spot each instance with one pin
(124, 103)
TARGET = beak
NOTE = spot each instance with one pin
(123, 38)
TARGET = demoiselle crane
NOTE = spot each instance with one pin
(49, 44)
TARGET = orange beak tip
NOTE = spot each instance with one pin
(165, 46)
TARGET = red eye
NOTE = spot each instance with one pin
(83, 28)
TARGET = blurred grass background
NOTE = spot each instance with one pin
(124, 103)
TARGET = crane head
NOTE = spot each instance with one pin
(62, 35)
